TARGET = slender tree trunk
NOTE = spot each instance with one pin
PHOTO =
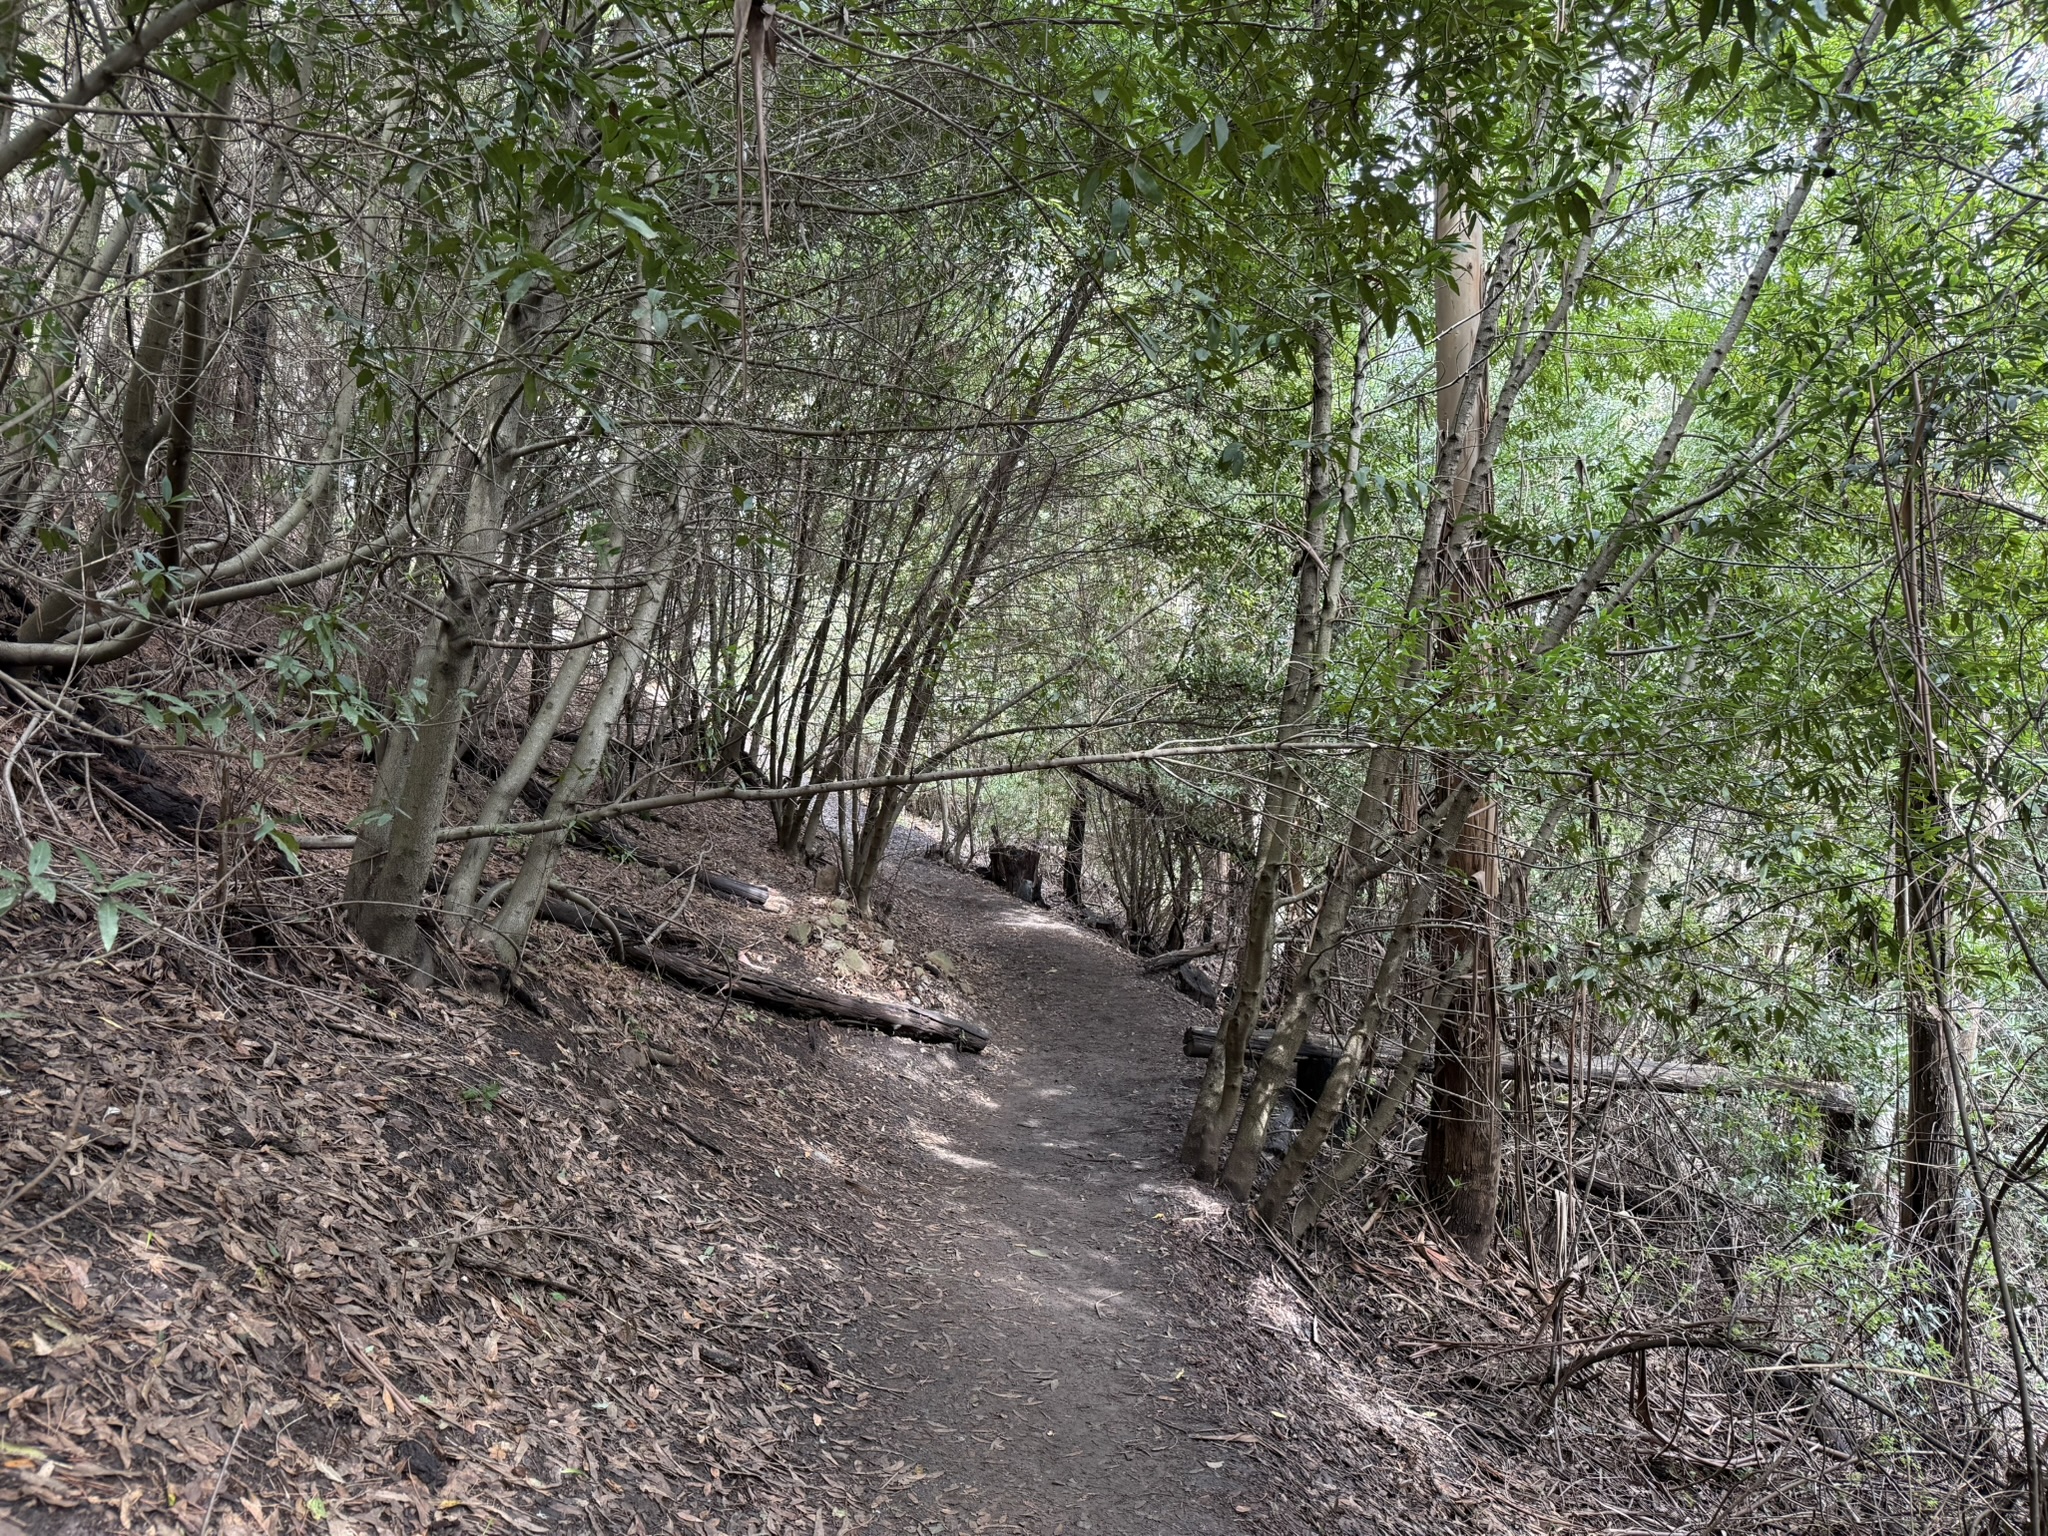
(912, 706)
(1077, 843)
(540, 624)
(1366, 1144)
(529, 888)
(1461, 1149)
(1446, 829)
(159, 394)
(545, 720)
(1928, 1154)
(1216, 1102)
(1349, 870)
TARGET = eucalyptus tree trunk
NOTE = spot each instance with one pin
(1216, 1102)
(1447, 560)
(1461, 1147)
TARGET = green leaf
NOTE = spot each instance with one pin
(635, 223)
(1091, 186)
(39, 879)
(110, 921)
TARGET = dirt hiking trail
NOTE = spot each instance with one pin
(383, 1260)
(1034, 1348)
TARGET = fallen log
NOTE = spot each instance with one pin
(627, 942)
(1105, 923)
(142, 788)
(726, 885)
(905, 1020)
(1198, 1042)
(1174, 959)
(607, 841)
(720, 885)
(1622, 1073)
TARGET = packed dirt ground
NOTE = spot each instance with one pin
(288, 1244)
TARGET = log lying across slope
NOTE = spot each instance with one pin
(1616, 1072)
(604, 839)
(627, 943)
(1174, 959)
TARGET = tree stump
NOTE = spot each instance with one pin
(1016, 871)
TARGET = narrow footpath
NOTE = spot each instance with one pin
(1031, 1347)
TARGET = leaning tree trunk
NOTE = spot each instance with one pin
(987, 522)
(1443, 830)
(530, 886)
(1350, 869)
(546, 719)
(1349, 873)
(551, 702)
(158, 399)
(396, 837)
